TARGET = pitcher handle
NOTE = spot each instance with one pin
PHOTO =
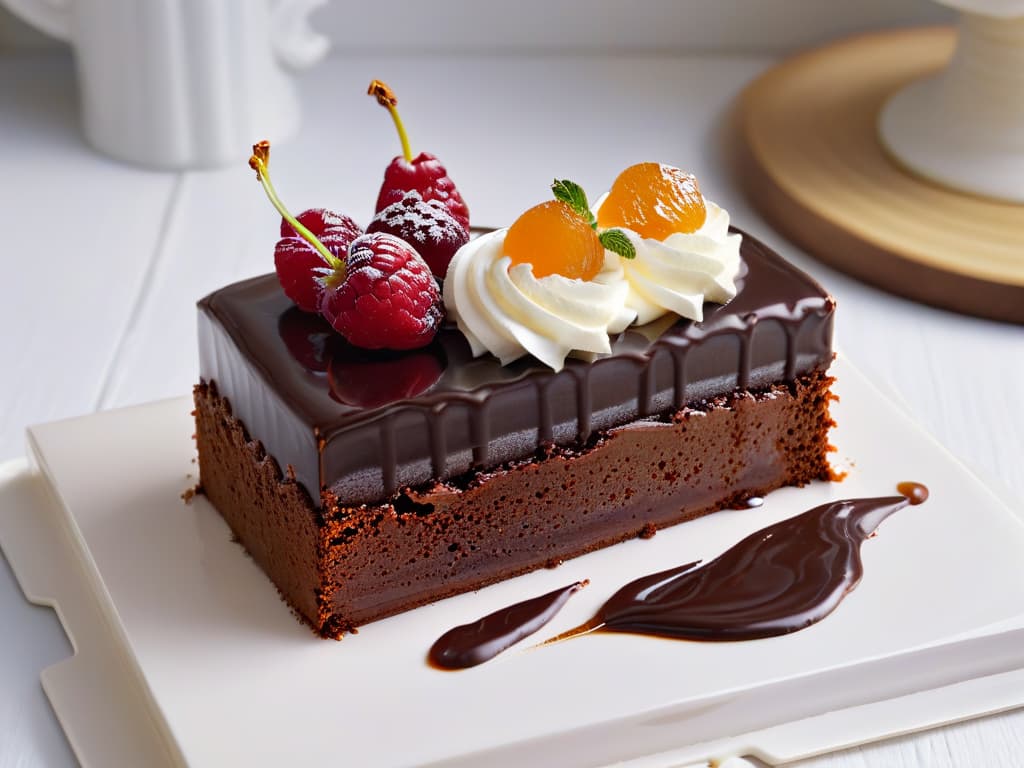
(50, 16)
(295, 42)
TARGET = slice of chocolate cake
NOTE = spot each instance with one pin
(368, 483)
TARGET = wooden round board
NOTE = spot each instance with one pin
(817, 170)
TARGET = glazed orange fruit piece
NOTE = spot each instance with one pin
(555, 240)
(653, 200)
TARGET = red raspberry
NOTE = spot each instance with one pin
(388, 299)
(299, 266)
(425, 175)
(427, 226)
(334, 230)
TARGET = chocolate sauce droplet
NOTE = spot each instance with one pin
(780, 579)
(472, 644)
(915, 492)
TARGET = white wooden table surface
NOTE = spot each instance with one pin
(102, 264)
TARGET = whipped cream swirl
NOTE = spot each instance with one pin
(504, 309)
(681, 272)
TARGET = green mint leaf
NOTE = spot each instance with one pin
(572, 194)
(615, 240)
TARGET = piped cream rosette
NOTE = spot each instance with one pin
(681, 272)
(505, 310)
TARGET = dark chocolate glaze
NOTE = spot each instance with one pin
(365, 425)
(472, 644)
(780, 579)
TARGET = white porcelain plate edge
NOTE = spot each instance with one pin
(936, 699)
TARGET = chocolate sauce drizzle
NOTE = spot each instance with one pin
(472, 644)
(780, 579)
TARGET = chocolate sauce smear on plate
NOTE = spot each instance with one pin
(780, 579)
(472, 644)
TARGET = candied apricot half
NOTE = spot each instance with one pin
(555, 239)
(654, 200)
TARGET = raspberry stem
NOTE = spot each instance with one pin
(258, 162)
(387, 99)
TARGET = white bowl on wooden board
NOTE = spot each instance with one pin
(964, 126)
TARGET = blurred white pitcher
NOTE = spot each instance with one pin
(183, 83)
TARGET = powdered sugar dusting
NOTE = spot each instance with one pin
(421, 227)
(426, 225)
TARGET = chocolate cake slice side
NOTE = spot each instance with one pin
(379, 510)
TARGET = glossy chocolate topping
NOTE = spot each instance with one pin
(365, 425)
(472, 644)
(780, 579)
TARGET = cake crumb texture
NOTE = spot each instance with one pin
(271, 516)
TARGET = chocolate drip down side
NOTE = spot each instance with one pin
(780, 579)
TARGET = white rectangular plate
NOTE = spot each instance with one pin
(231, 677)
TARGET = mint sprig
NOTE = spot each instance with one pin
(615, 240)
(572, 194)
